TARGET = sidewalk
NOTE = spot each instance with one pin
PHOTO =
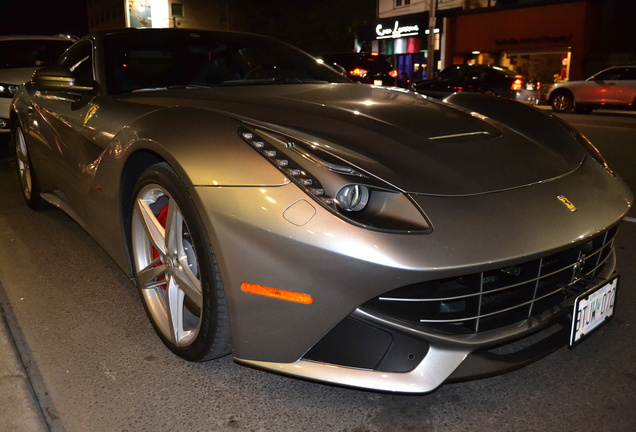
(19, 409)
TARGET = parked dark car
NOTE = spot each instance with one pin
(614, 87)
(485, 79)
(366, 68)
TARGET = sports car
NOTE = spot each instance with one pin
(366, 236)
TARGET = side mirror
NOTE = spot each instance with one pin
(56, 78)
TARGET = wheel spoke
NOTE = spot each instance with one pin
(174, 303)
(24, 169)
(155, 232)
(182, 275)
(174, 230)
(188, 283)
(148, 276)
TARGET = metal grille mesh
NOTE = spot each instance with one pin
(492, 299)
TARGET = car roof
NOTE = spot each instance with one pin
(38, 37)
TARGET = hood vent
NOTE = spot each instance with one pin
(462, 137)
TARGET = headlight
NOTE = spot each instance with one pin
(8, 90)
(346, 190)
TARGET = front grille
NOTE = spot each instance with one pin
(492, 299)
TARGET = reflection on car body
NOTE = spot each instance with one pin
(614, 87)
(365, 68)
(20, 56)
(267, 206)
(491, 80)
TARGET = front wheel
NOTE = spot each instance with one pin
(562, 102)
(28, 180)
(175, 268)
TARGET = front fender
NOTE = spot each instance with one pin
(203, 148)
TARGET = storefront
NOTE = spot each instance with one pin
(546, 44)
(404, 40)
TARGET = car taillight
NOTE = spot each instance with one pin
(393, 73)
(359, 72)
(517, 83)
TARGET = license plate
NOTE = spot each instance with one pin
(593, 308)
(377, 82)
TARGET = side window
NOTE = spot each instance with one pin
(451, 76)
(79, 60)
(610, 75)
(630, 74)
(473, 77)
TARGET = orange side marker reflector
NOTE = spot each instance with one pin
(277, 293)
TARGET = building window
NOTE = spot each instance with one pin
(399, 3)
(177, 9)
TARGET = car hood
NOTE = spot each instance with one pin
(419, 145)
(17, 76)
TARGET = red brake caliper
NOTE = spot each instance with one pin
(162, 218)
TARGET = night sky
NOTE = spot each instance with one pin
(308, 24)
(43, 17)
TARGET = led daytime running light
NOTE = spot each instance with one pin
(290, 168)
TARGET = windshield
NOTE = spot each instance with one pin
(31, 52)
(151, 60)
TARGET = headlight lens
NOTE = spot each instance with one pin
(353, 197)
(349, 192)
(8, 90)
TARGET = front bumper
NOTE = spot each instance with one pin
(277, 237)
(386, 353)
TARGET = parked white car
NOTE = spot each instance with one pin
(614, 87)
(20, 56)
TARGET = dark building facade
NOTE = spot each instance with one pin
(546, 40)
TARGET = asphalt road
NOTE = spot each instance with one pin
(96, 365)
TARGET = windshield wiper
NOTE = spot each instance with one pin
(273, 80)
(172, 87)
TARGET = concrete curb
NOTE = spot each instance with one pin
(19, 409)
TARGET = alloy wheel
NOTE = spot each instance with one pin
(167, 266)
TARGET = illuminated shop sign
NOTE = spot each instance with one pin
(148, 13)
(544, 39)
(397, 31)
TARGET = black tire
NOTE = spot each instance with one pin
(562, 102)
(179, 277)
(28, 180)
